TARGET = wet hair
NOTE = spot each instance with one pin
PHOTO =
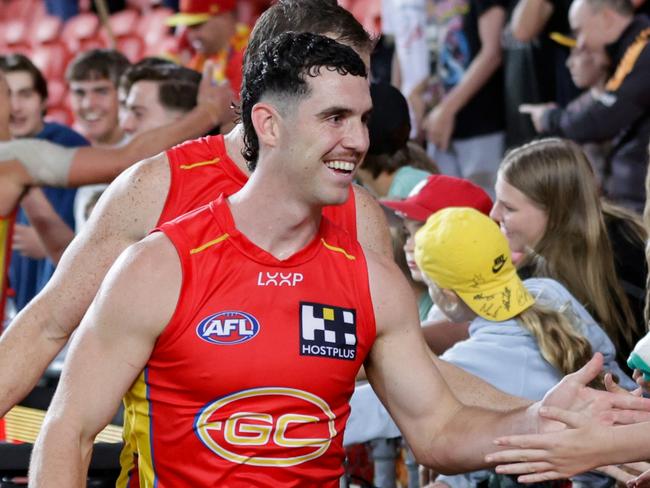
(177, 85)
(323, 17)
(19, 62)
(280, 70)
(97, 64)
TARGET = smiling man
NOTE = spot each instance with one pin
(232, 384)
(45, 223)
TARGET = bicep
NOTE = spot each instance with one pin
(372, 228)
(125, 213)
(399, 366)
(117, 335)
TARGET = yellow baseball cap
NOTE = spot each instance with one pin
(463, 250)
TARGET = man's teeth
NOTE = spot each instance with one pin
(340, 165)
(91, 117)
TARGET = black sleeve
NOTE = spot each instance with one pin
(606, 115)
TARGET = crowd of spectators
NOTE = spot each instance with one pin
(534, 112)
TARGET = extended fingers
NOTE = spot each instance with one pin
(517, 455)
(571, 419)
(528, 467)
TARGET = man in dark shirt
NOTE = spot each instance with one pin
(620, 114)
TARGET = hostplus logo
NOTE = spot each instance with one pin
(327, 331)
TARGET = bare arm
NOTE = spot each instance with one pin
(53, 232)
(586, 446)
(439, 123)
(529, 18)
(127, 211)
(372, 228)
(14, 180)
(101, 165)
(442, 432)
(113, 345)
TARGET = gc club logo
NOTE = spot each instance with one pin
(247, 428)
(227, 328)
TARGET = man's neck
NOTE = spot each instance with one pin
(274, 217)
(234, 141)
(109, 139)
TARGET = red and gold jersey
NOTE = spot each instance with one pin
(6, 231)
(227, 62)
(201, 170)
(248, 385)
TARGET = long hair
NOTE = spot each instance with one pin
(560, 343)
(575, 249)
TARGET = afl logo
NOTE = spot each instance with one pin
(227, 328)
(267, 427)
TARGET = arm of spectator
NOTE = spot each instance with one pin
(127, 211)
(537, 111)
(641, 381)
(529, 18)
(114, 342)
(439, 123)
(101, 165)
(625, 472)
(561, 454)
(52, 231)
(641, 481)
(27, 243)
(625, 100)
(372, 228)
(14, 181)
(443, 334)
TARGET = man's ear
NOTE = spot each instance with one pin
(266, 120)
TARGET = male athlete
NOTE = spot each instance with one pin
(156, 191)
(234, 379)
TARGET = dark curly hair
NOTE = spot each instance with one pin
(280, 69)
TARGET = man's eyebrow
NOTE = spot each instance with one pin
(336, 110)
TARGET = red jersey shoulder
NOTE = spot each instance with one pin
(203, 150)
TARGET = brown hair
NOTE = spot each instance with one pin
(575, 249)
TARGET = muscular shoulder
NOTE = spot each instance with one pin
(372, 228)
(133, 203)
(145, 280)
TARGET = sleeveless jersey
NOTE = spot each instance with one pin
(248, 385)
(201, 170)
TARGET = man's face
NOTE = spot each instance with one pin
(26, 105)
(95, 106)
(588, 25)
(325, 136)
(143, 110)
(212, 35)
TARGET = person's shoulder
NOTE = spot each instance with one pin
(199, 150)
(548, 291)
(62, 134)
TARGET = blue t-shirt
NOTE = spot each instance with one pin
(28, 276)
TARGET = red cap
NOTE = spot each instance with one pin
(192, 12)
(438, 192)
